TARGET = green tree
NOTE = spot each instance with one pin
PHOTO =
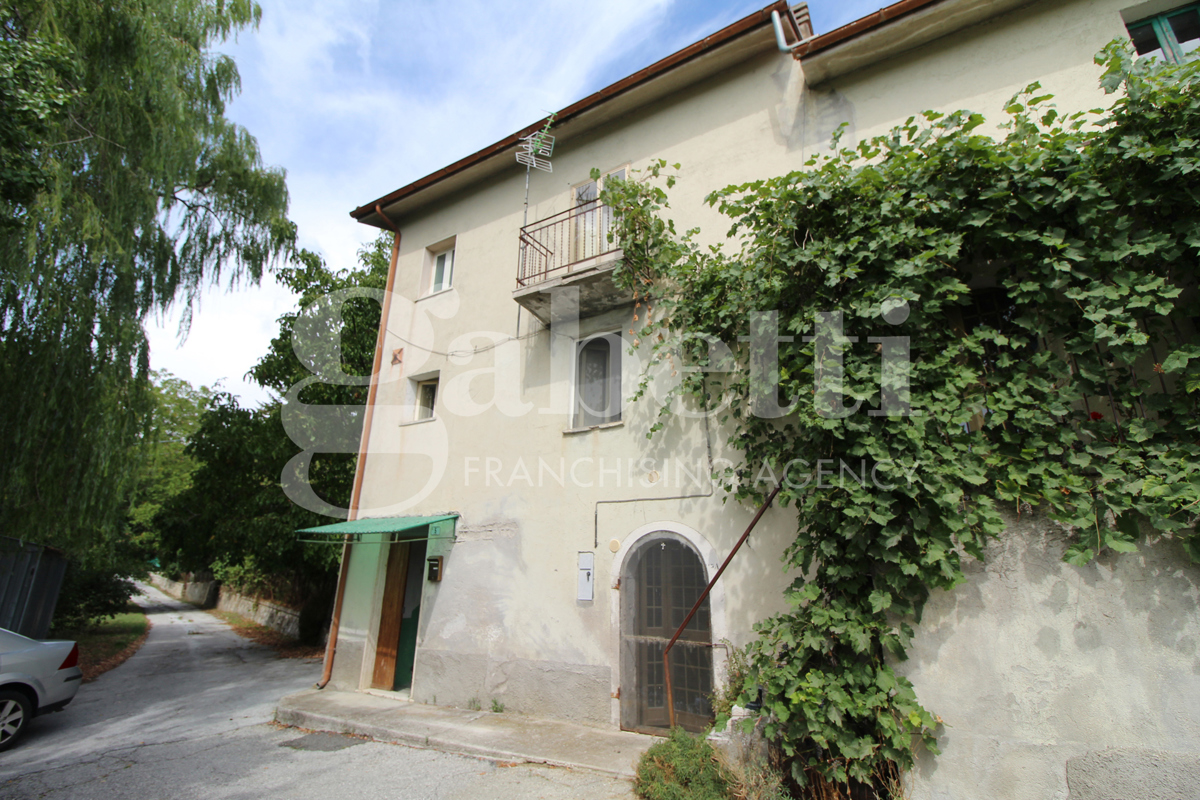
(33, 95)
(311, 280)
(129, 191)
(233, 507)
(235, 514)
(165, 467)
(1074, 396)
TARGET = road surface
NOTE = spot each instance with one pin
(189, 716)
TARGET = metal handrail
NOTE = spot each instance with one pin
(526, 239)
(554, 219)
(703, 597)
(563, 237)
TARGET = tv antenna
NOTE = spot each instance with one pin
(534, 152)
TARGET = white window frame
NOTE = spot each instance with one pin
(615, 360)
(422, 412)
(448, 283)
(599, 183)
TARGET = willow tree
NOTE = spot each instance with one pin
(129, 191)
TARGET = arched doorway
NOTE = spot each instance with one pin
(661, 580)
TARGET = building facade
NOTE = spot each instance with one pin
(529, 543)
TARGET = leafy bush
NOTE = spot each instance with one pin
(244, 578)
(90, 596)
(316, 611)
(1068, 389)
(737, 669)
(682, 767)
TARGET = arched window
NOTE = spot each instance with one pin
(598, 381)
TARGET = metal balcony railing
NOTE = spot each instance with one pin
(552, 246)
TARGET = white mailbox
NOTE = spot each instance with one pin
(587, 576)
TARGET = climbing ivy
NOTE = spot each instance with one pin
(1073, 396)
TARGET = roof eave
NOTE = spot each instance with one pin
(890, 31)
(372, 213)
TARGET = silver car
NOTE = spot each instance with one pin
(35, 678)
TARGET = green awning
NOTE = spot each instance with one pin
(393, 525)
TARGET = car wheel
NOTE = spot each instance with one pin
(15, 713)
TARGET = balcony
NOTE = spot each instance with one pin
(570, 250)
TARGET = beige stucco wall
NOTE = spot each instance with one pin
(505, 621)
(1058, 681)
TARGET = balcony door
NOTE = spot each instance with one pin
(592, 221)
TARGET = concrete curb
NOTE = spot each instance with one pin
(481, 734)
(318, 722)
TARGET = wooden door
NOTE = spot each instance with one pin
(391, 617)
(668, 578)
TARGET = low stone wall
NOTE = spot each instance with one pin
(281, 618)
(210, 594)
(200, 593)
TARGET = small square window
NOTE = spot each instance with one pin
(426, 398)
(1186, 28)
(598, 381)
(1172, 36)
(1145, 41)
(442, 273)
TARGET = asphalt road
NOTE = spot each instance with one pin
(189, 717)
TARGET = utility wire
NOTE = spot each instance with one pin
(477, 350)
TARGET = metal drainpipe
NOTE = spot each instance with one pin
(335, 623)
(703, 595)
(780, 38)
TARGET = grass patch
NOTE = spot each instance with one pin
(108, 644)
(754, 775)
(284, 646)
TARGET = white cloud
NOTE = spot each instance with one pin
(356, 99)
(230, 332)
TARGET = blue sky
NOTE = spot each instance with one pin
(355, 99)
